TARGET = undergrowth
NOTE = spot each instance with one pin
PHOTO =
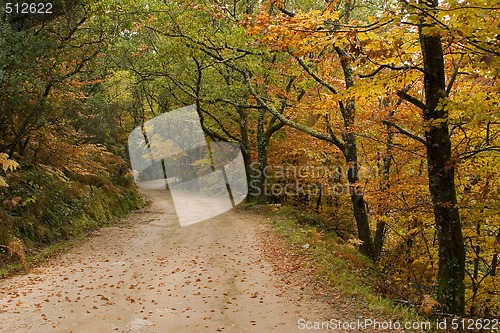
(338, 262)
(40, 212)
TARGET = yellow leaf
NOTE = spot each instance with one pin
(6, 163)
(3, 183)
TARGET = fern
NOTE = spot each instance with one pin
(16, 247)
(7, 165)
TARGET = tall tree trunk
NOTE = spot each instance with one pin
(441, 170)
(245, 148)
(378, 239)
(350, 152)
(259, 176)
(357, 197)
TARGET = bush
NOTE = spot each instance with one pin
(41, 207)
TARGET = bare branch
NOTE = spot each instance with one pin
(392, 67)
(454, 75)
(404, 131)
(472, 153)
(286, 11)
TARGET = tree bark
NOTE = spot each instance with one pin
(357, 197)
(245, 147)
(255, 176)
(441, 171)
(350, 152)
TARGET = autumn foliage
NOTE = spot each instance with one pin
(381, 117)
(389, 92)
(57, 181)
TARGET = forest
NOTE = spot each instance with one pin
(382, 118)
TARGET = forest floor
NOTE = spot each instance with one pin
(146, 274)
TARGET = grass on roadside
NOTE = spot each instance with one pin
(338, 263)
(35, 259)
(39, 253)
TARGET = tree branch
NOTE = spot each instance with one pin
(454, 75)
(329, 138)
(392, 67)
(286, 11)
(222, 128)
(315, 76)
(404, 131)
(413, 100)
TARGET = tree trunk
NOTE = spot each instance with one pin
(245, 150)
(351, 155)
(357, 197)
(262, 143)
(441, 170)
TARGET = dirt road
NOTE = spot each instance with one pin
(147, 274)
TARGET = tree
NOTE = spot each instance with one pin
(434, 30)
(296, 34)
(172, 61)
(441, 170)
(37, 65)
(419, 49)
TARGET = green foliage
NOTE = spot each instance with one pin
(330, 219)
(57, 122)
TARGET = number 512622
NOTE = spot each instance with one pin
(28, 8)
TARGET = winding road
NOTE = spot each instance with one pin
(146, 274)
